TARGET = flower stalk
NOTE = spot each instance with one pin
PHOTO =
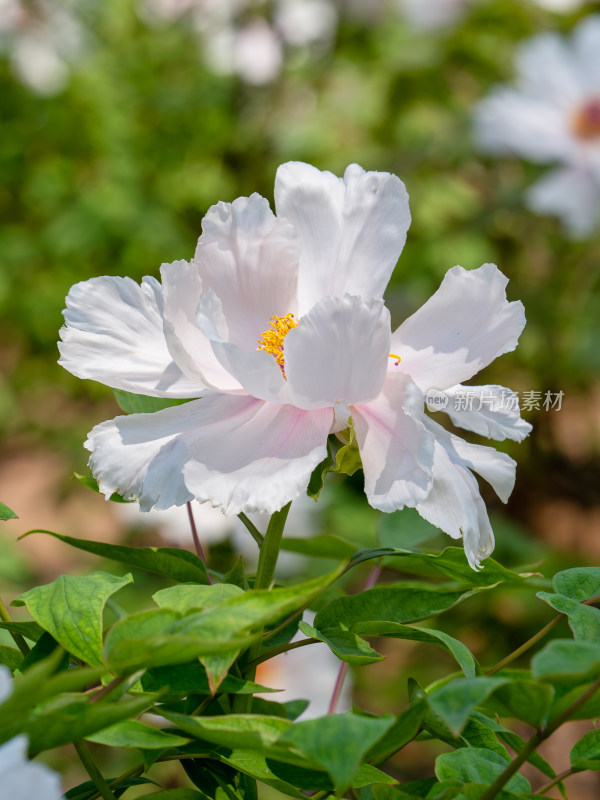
(92, 770)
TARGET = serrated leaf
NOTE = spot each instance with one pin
(581, 583)
(584, 621)
(180, 565)
(475, 765)
(133, 733)
(143, 404)
(70, 609)
(338, 742)
(586, 753)
(567, 661)
(6, 512)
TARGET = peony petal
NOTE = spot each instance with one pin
(548, 70)
(236, 451)
(491, 411)
(395, 447)
(338, 353)
(351, 231)
(586, 46)
(188, 344)
(249, 258)
(454, 503)
(498, 469)
(570, 193)
(464, 326)
(113, 333)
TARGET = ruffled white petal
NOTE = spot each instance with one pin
(498, 469)
(491, 411)
(236, 451)
(454, 503)
(249, 258)
(113, 333)
(572, 194)
(396, 448)
(188, 344)
(351, 231)
(464, 326)
(21, 779)
(338, 353)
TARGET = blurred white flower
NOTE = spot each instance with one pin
(41, 39)
(431, 15)
(237, 36)
(21, 779)
(553, 115)
(560, 6)
(306, 673)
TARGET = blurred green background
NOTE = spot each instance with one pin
(111, 170)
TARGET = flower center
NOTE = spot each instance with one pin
(586, 122)
(271, 340)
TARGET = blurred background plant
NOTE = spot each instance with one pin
(124, 120)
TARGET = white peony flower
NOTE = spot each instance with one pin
(278, 332)
(21, 779)
(430, 15)
(553, 115)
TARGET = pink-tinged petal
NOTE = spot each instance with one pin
(463, 327)
(338, 353)
(249, 258)
(113, 333)
(256, 370)
(491, 411)
(236, 451)
(188, 344)
(351, 231)
(395, 447)
(454, 503)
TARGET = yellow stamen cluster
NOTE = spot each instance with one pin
(271, 340)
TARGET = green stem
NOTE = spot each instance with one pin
(17, 638)
(559, 778)
(537, 738)
(524, 647)
(252, 529)
(283, 648)
(107, 689)
(92, 770)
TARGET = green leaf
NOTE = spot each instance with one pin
(567, 661)
(584, 621)
(70, 609)
(404, 529)
(256, 766)
(143, 404)
(472, 764)
(398, 602)
(132, 733)
(88, 789)
(188, 596)
(180, 565)
(455, 701)
(325, 546)
(346, 646)
(190, 678)
(178, 794)
(91, 483)
(317, 479)
(10, 657)
(586, 753)
(338, 742)
(581, 583)
(522, 699)
(404, 729)
(6, 512)
(73, 717)
(347, 458)
(30, 630)
(235, 731)
(396, 630)
(217, 666)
